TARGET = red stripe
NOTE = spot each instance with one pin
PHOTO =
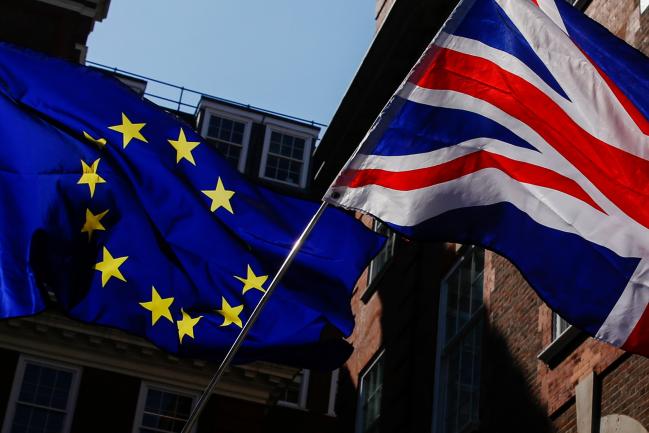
(631, 109)
(535, 2)
(622, 177)
(638, 341)
(467, 164)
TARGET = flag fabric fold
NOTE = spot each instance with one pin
(523, 128)
(130, 220)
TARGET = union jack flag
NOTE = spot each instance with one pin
(523, 128)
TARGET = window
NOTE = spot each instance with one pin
(333, 391)
(42, 398)
(559, 326)
(230, 136)
(383, 258)
(295, 393)
(564, 336)
(459, 339)
(369, 397)
(161, 410)
(286, 156)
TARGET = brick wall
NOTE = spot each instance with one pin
(623, 18)
(625, 389)
(558, 383)
(520, 327)
(511, 393)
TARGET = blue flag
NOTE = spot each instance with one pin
(125, 216)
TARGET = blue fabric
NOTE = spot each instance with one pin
(415, 129)
(546, 257)
(158, 218)
(487, 23)
(624, 65)
(577, 278)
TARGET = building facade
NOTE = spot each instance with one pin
(62, 376)
(450, 338)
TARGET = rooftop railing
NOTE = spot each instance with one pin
(186, 100)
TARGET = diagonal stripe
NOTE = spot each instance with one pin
(480, 160)
(622, 177)
(638, 341)
(618, 328)
(631, 109)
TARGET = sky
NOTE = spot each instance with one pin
(295, 57)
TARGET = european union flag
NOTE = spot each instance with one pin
(130, 220)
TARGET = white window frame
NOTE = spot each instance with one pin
(145, 386)
(439, 398)
(360, 418)
(333, 390)
(293, 130)
(236, 115)
(556, 332)
(302, 395)
(389, 244)
(17, 383)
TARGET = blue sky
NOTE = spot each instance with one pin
(292, 56)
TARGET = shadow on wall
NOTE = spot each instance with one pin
(409, 296)
(507, 403)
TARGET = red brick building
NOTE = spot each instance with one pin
(451, 339)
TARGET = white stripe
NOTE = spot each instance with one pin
(550, 157)
(505, 61)
(547, 207)
(629, 308)
(601, 111)
(551, 10)
(428, 159)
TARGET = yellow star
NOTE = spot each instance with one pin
(220, 197)
(90, 176)
(129, 130)
(109, 267)
(186, 325)
(159, 307)
(252, 281)
(230, 314)
(93, 222)
(100, 142)
(184, 148)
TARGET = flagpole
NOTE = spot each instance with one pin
(207, 392)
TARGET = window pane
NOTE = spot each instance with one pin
(227, 137)
(31, 419)
(285, 159)
(298, 148)
(460, 356)
(291, 392)
(382, 259)
(371, 395)
(559, 325)
(165, 411)
(45, 386)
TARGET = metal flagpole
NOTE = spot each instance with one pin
(202, 400)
